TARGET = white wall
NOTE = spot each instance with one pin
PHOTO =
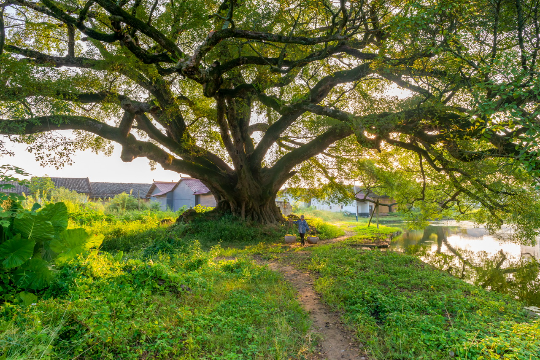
(183, 195)
(161, 200)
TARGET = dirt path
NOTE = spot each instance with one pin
(338, 343)
(347, 235)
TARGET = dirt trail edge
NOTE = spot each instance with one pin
(337, 342)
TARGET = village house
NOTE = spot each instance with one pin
(363, 205)
(94, 190)
(106, 190)
(186, 192)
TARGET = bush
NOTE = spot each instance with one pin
(32, 241)
(129, 236)
(124, 201)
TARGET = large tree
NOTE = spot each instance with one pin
(246, 94)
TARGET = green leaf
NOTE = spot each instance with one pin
(33, 274)
(28, 298)
(34, 227)
(57, 214)
(16, 251)
(73, 242)
(35, 207)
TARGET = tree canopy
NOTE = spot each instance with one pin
(247, 95)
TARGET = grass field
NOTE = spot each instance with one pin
(161, 291)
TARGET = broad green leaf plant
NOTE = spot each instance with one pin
(31, 241)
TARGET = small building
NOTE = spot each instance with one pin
(364, 203)
(80, 185)
(186, 192)
(106, 190)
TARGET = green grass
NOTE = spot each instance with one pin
(402, 308)
(186, 306)
(228, 231)
(364, 233)
(191, 292)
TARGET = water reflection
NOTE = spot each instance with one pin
(473, 255)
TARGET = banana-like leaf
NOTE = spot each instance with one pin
(73, 242)
(34, 227)
(16, 251)
(33, 274)
(57, 214)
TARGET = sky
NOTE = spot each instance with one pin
(96, 167)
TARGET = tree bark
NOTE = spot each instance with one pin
(250, 205)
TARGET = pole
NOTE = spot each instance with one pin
(377, 213)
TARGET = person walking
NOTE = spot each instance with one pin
(303, 227)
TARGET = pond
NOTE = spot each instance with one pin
(471, 254)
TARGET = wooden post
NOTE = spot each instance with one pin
(377, 206)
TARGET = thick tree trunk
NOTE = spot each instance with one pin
(248, 205)
(262, 212)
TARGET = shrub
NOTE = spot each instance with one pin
(129, 236)
(29, 240)
(124, 201)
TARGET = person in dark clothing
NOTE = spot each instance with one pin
(303, 228)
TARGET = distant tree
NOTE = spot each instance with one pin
(123, 202)
(40, 187)
(248, 95)
(62, 194)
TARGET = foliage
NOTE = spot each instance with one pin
(129, 236)
(185, 307)
(64, 195)
(125, 202)
(439, 96)
(41, 187)
(403, 308)
(364, 233)
(202, 209)
(30, 240)
(326, 215)
(323, 229)
(8, 175)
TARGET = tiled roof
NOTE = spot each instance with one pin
(196, 186)
(18, 189)
(162, 186)
(362, 196)
(105, 190)
(80, 185)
